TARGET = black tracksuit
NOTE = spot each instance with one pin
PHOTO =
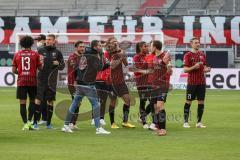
(47, 77)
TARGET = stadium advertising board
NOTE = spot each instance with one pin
(216, 79)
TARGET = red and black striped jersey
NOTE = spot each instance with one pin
(149, 60)
(161, 76)
(27, 63)
(116, 74)
(73, 61)
(140, 63)
(195, 77)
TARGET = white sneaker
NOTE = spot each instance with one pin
(145, 126)
(186, 125)
(73, 127)
(93, 123)
(66, 128)
(42, 122)
(101, 130)
(200, 125)
(152, 127)
(102, 122)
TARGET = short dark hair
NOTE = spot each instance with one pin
(76, 44)
(157, 44)
(40, 37)
(51, 35)
(94, 43)
(139, 46)
(26, 42)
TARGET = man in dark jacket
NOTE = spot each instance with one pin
(47, 77)
(89, 65)
(41, 43)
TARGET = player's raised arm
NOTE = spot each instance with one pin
(114, 63)
(124, 58)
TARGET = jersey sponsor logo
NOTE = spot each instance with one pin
(54, 55)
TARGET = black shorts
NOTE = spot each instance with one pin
(159, 94)
(120, 89)
(196, 91)
(44, 92)
(102, 86)
(23, 91)
(144, 92)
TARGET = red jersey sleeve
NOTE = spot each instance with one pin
(107, 56)
(14, 62)
(186, 60)
(136, 60)
(71, 69)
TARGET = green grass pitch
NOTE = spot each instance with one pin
(219, 141)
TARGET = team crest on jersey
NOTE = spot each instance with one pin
(192, 59)
(82, 63)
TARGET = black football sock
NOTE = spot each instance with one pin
(162, 119)
(149, 108)
(23, 112)
(49, 114)
(200, 112)
(186, 112)
(102, 108)
(142, 111)
(125, 113)
(44, 111)
(154, 117)
(111, 113)
(37, 113)
(31, 110)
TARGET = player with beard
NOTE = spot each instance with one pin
(73, 61)
(160, 84)
(104, 92)
(117, 59)
(195, 66)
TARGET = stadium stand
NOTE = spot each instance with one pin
(107, 7)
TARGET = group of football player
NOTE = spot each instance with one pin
(96, 72)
